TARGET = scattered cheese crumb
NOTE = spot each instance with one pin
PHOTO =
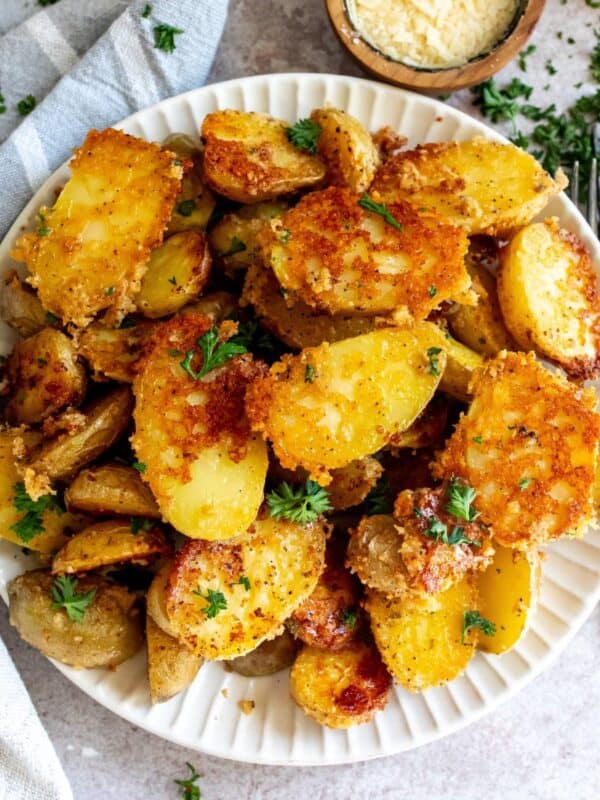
(246, 706)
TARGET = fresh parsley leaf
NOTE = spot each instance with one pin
(304, 135)
(110, 290)
(41, 362)
(432, 291)
(284, 236)
(349, 617)
(26, 105)
(550, 68)
(138, 524)
(525, 482)
(309, 374)
(434, 362)
(256, 340)
(379, 499)
(64, 596)
(301, 504)
(380, 208)
(128, 322)
(189, 789)
(214, 354)
(164, 37)
(186, 207)
(172, 280)
(147, 11)
(140, 466)
(523, 56)
(215, 602)
(438, 531)
(460, 499)
(236, 246)
(243, 581)
(31, 523)
(44, 230)
(2, 104)
(47, 2)
(52, 319)
(473, 619)
(477, 439)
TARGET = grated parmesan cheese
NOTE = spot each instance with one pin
(432, 33)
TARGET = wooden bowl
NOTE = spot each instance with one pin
(424, 79)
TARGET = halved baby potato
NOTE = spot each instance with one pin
(547, 291)
(478, 185)
(269, 657)
(111, 489)
(175, 275)
(225, 598)
(461, 363)
(422, 640)
(233, 239)
(195, 202)
(340, 688)
(205, 467)
(374, 554)
(248, 157)
(112, 353)
(156, 599)
(171, 665)
(339, 257)
(20, 307)
(217, 306)
(336, 403)
(351, 484)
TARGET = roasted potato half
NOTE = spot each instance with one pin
(422, 641)
(225, 598)
(349, 152)
(175, 275)
(342, 258)
(194, 204)
(461, 363)
(456, 181)
(269, 657)
(547, 290)
(111, 542)
(205, 467)
(44, 376)
(342, 688)
(20, 306)
(111, 489)
(336, 403)
(112, 353)
(374, 555)
(171, 665)
(233, 239)
(248, 157)
(156, 599)
(351, 484)
(110, 632)
(528, 446)
(217, 306)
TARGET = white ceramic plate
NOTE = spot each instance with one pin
(277, 732)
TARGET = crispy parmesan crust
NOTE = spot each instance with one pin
(534, 469)
(111, 213)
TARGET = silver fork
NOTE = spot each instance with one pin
(589, 208)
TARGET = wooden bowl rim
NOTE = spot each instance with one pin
(475, 71)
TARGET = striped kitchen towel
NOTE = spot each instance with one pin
(79, 64)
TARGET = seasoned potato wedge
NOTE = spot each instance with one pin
(421, 640)
(101, 424)
(171, 665)
(44, 376)
(507, 594)
(457, 182)
(233, 239)
(111, 489)
(336, 403)
(175, 275)
(351, 484)
(293, 321)
(113, 352)
(110, 632)
(342, 688)
(346, 148)
(156, 599)
(20, 306)
(224, 599)
(547, 291)
(528, 445)
(341, 258)
(110, 542)
(89, 250)
(374, 555)
(269, 657)
(248, 157)
(205, 467)
(460, 366)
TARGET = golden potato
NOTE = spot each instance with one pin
(183, 145)
(225, 598)
(175, 275)
(248, 157)
(478, 185)
(20, 307)
(548, 295)
(349, 153)
(44, 376)
(195, 202)
(217, 306)
(111, 489)
(374, 554)
(507, 593)
(269, 657)
(528, 446)
(233, 239)
(89, 251)
(336, 403)
(341, 258)
(351, 484)
(342, 688)
(156, 599)
(111, 542)
(461, 363)
(171, 665)
(112, 353)
(205, 467)
(110, 632)
(422, 640)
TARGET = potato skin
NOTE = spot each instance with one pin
(195, 202)
(269, 657)
(351, 484)
(112, 353)
(374, 555)
(248, 157)
(548, 295)
(156, 599)
(171, 666)
(111, 489)
(461, 364)
(20, 307)
(110, 632)
(44, 376)
(342, 688)
(233, 239)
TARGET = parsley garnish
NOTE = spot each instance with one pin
(477, 439)
(64, 595)
(438, 531)
(140, 466)
(214, 354)
(550, 68)
(215, 602)
(432, 291)
(304, 135)
(31, 524)
(173, 280)
(349, 617)
(460, 498)
(41, 362)
(128, 322)
(523, 56)
(309, 374)
(525, 482)
(434, 363)
(251, 336)
(43, 230)
(284, 236)
(301, 504)
(109, 291)
(2, 104)
(26, 105)
(47, 2)
(51, 318)
(164, 37)
(243, 581)
(379, 500)
(189, 789)
(147, 11)
(380, 208)
(138, 524)
(473, 619)
(236, 246)
(186, 207)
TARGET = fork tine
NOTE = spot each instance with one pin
(592, 211)
(575, 183)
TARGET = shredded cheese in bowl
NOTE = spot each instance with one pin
(434, 34)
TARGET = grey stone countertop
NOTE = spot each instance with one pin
(541, 745)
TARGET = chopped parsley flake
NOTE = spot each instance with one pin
(381, 209)
(26, 105)
(434, 363)
(65, 596)
(31, 523)
(301, 504)
(186, 207)
(215, 602)
(304, 135)
(473, 619)
(164, 37)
